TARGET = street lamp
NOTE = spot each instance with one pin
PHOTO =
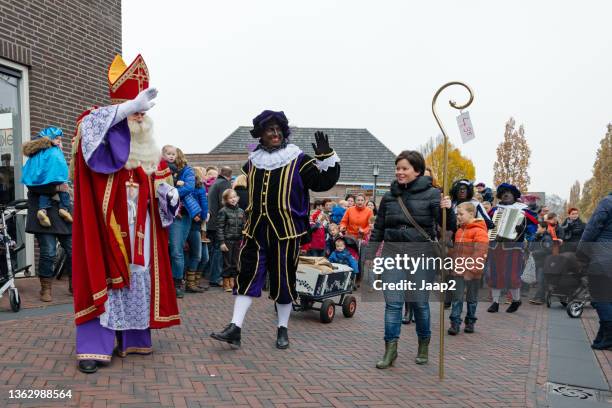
(375, 170)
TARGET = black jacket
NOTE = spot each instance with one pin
(423, 203)
(58, 225)
(541, 247)
(230, 221)
(572, 230)
(215, 200)
(243, 193)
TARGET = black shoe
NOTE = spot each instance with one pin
(454, 329)
(469, 328)
(514, 306)
(606, 338)
(282, 338)
(447, 305)
(406, 320)
(494, 308)
(231, 335)
(598, 338)
(88, 366)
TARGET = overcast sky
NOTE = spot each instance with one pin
(376, 65)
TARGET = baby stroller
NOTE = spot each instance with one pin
(8, 252)
(566, 282)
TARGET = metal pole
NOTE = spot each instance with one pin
(374, 192)
(445, 193)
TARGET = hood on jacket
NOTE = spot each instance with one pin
(476, 224)
(34, 146)
(419, 184)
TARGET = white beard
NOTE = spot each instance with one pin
(143, 149)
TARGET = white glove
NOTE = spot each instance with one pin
(142, 103)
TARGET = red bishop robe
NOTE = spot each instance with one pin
(101, 250)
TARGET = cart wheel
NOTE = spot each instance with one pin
(564, 302)
(328, 311)
(574, 309)
(548, 301)
(14, 299)
(349, 306)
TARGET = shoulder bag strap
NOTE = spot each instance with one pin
(412, 220)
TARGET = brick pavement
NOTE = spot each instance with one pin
(502, 365)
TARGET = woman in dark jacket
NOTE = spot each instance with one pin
(425, 204)
(572, 229)
(595, 247)
(48, 237)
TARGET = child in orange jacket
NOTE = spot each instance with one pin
(469, 257)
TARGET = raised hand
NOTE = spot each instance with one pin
(321, 145)
(144, 101)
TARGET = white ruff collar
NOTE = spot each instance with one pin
(277, 159)
(517, 205)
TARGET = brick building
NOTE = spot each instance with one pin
(358, 150)
(54, 56)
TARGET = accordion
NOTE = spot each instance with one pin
(506, 220)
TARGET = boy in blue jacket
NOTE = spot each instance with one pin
(342, 256)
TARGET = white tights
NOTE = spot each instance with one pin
(496, 293)
(243, 303)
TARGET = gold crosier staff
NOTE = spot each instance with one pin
(445, 193)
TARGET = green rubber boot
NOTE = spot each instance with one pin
(390, 355)
(423, 354)
(178, 285)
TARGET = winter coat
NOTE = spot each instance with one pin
(344, 258)
(58, 225)
(541, 247)
(355, 218)
(197, 203)
(230, 222)
(186, 175)
(46, 164)
(471, 242)
(215, 200)
(572, 232)
(422, 201)
(243, 194)
(596, 242)
(337, 214)
(317, 240)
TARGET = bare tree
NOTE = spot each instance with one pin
(513, 156)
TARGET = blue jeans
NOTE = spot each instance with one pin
(215, 264)
(471, 299)
(203, 257)
(393, 319)
(604, 311)
(195, 247)
(48, 252)
(178, 233)
(44, 201)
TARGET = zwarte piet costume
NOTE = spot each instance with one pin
(279, 177)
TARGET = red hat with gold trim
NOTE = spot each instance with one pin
(124, 82)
